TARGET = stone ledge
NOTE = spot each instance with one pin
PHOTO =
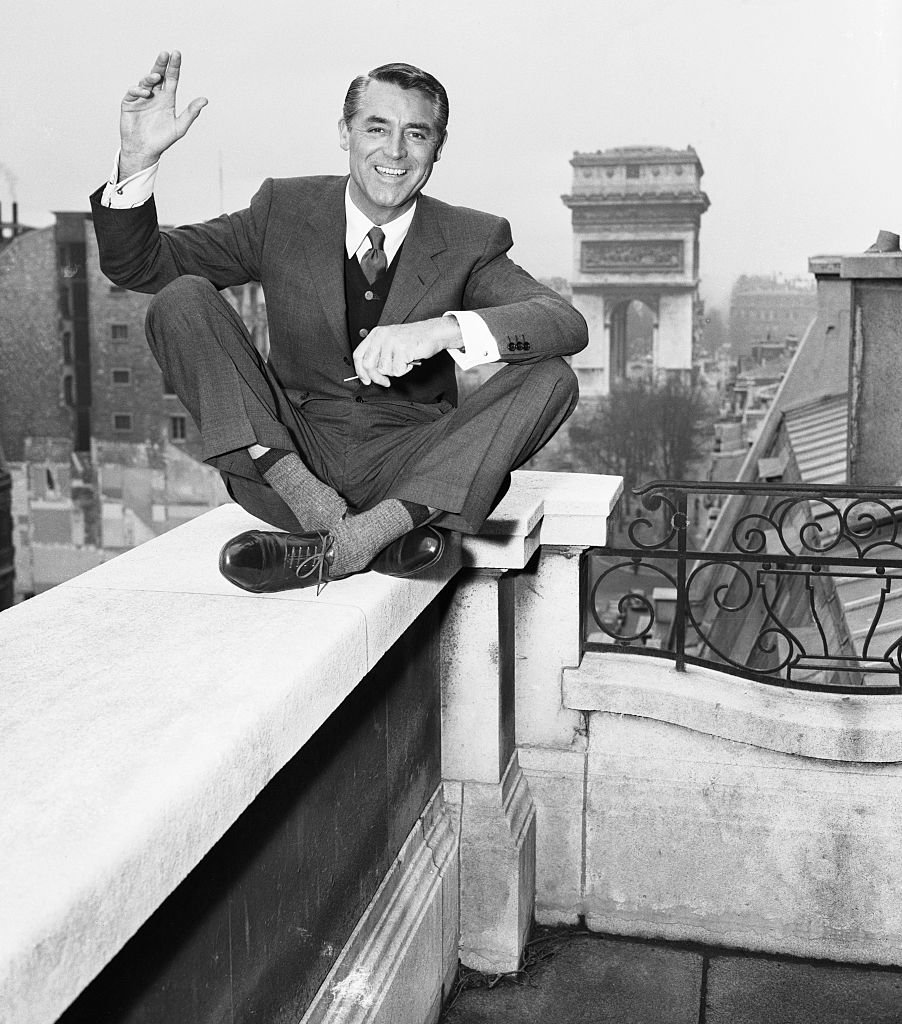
(831, 727)
(560, 509)
(146, 703)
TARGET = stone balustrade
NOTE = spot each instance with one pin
(166, 736)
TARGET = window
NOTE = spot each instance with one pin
(119, 332)
(167, 388)
(122, 421)
(632, 171)
(116, 289)
(178, 428)
(69, 390)
(67, 346)
(122, 376)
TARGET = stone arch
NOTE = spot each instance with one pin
(629, 321)
(636, 213)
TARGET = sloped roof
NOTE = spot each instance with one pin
(819, 435)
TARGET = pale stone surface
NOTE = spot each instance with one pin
(497, 871)
(547, 641)
(160, 744)
(674, 334)
(838, 727)
(544, 508)
(396, 963)
(557, 781)
(118, 773)
(471, 698)
(186, 561)
(694, 837)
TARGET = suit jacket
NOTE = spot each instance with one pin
(291, 240)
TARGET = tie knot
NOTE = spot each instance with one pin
(373, 262)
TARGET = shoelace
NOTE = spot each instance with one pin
(307, 565)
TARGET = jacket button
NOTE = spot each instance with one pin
(358, 398)
(363, 332)
(526, 346)
(369, 295)
(346, 361)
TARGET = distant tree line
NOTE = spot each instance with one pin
(643, 431)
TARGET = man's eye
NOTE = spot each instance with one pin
(376, 130)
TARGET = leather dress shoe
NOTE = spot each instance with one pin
(265, 562)
(416, 551)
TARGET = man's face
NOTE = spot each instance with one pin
(393, 143)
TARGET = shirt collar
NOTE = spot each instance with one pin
(358, 226)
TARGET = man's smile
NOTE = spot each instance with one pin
(394, 172)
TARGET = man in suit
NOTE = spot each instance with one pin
(349, 436)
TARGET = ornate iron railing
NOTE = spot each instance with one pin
(795, 585)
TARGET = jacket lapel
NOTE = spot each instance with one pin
(323, 240)
(417, 267)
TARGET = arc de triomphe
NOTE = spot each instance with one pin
(636, 213)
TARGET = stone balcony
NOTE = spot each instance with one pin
(223, 806)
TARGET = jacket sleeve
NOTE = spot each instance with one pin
(136, 254)
(527, 319)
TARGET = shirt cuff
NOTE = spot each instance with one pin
(130, 192)
(480, 346)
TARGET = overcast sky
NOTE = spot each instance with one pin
(794, 107)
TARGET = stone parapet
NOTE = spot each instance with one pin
(148, 704)
(145, 705)
(732, 813)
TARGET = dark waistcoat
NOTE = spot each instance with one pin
(434, 381)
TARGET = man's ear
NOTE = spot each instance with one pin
(440, 147)
(343, 135)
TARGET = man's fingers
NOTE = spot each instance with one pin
(173, 67)
(189, 115)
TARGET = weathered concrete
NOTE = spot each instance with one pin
(497, 870)
(557, 781)
(119, 772)
(590, 980)
(695, 830)
(401, 960)
(831, 727)
(747, 990)
(580, 979)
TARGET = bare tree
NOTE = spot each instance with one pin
(681, 418)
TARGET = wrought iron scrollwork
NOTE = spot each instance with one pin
(798, 586)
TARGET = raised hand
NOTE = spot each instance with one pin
(148, 124)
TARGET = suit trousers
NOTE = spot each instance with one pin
(366, 446)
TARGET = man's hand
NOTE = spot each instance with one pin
(148, 125)
(393, 350)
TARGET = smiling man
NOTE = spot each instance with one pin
(349, 439)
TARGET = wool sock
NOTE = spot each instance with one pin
(316, 505)
(358, 539)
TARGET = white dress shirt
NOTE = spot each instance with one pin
(479, 344)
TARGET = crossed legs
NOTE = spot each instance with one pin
(395, 465)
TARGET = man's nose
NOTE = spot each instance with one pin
(396, 145)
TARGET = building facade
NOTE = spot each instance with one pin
(101, 454)
(769, 315)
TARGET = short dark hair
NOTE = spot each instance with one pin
(406, 76)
